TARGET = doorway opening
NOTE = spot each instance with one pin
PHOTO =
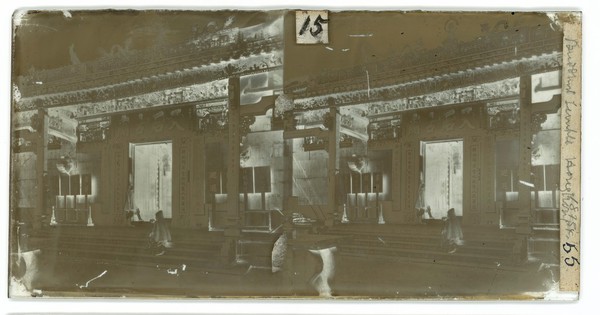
(152, 178)
(443, 176)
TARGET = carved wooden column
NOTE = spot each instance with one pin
(333, 162)
(524, 170)
(181, 210)
(199, 176)
(396, 181)
(233, 221)
(283, 118)
(288, 174)
(119, 180)
(41, 167)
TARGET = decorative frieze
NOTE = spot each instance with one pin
(194, 93)
(396, 103)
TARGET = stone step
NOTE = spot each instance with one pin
(423, 238)
(73, 245)
(439, 260)
(426, 255)
(137, 242)
(467, 247)
(129, 257)
(423, 243)
(129, 246)
(202, 264)
(126, 235)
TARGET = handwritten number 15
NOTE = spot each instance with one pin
(317, 24)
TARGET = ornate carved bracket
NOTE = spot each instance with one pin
(214, 123)
(537, 119)
(95, 131)
(245, 124)
(385, 130)
(346, 141)
(503, 114)
(313, 143)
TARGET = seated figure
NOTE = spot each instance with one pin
(161, 234)
(452, 235)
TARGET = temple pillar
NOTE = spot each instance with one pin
(233, 223)
(396, 182)
(41, 168)
(333, 163)
(288, 174)
(524, 170)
